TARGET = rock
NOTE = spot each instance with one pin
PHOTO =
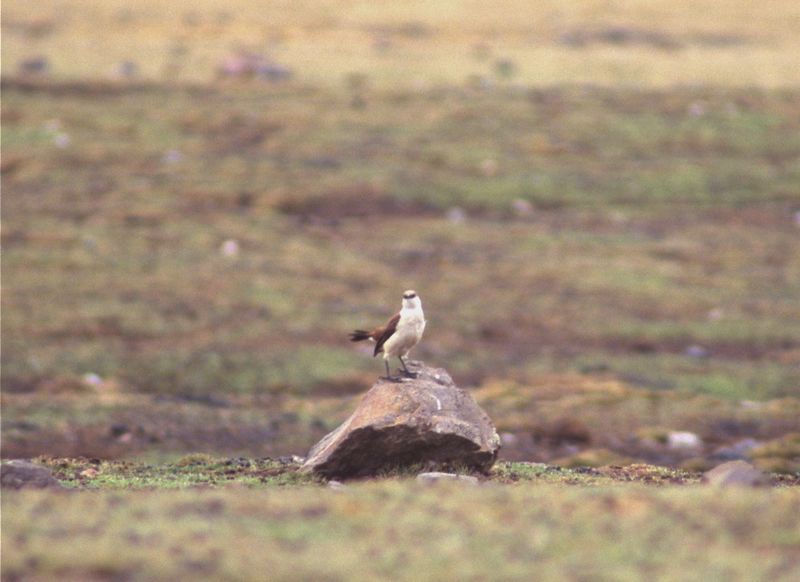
(93, 380)
(119, 429)
(456, 215)
(229, 248)
(291, 460)
(33, 66)
(522, 207)
(62, 140)
(739, 450)
(696, 351)
(679, 439)
(735, 473)
(423, 420)
(172, 157)
(246, 64)
(697, 109)
(273, 72)
(437, 477)
(126, 70)
(241, 64)
(20, 474)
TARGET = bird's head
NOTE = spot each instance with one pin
(411, 300)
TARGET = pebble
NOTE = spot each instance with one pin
(456, 215)
(126, 70)
(683, 440)
(62, 140)
(172, 157)
(697, 109)
(737, 451)
(435, 477)
(696, 351)
(522, 207)
(92, 379)
(229, 248)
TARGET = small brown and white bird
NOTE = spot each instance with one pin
(401, 333)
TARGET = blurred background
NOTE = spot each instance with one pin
(598, 202)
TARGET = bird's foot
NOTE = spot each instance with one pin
(393, 379)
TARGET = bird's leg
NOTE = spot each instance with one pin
(388, 375)
(408, 372)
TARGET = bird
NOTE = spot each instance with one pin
(399, 335)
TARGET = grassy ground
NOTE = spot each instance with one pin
(631, 248)
(523, 519)
(562, 234)
(203, 470)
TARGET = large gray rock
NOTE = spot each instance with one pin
(20, 474)
(424, 420)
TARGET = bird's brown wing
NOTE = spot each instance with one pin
(385, 333)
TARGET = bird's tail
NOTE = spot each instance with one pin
(359, 335)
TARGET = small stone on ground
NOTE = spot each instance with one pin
(436, 477)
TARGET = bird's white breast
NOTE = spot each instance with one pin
(410, 328)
